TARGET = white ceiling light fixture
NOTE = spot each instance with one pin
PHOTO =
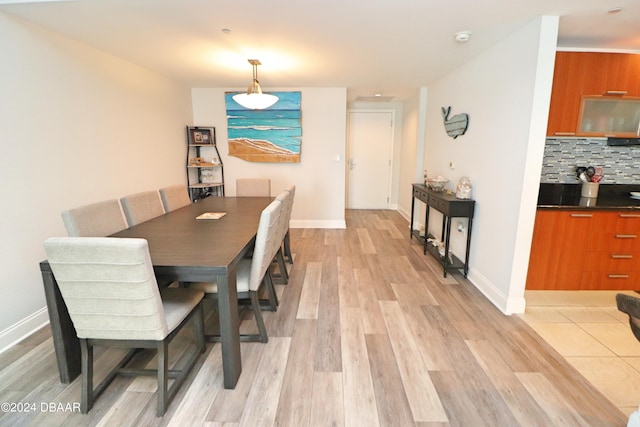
(462, 36)
(254, 99)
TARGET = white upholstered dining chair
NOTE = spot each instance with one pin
(253, 273)
(141, 207)
(283, 226)
(174, 197)
(94, 220)
(112, 297)
(253, 187)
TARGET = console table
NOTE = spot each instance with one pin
(450, 207)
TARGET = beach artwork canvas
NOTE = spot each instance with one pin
(269, 135)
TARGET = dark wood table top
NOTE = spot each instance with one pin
(192, 249)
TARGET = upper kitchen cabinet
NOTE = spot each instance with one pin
(609, 116)
(608, 77)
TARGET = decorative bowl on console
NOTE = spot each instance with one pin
(437, 184)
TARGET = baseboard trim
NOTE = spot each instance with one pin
(19, 331)
(299, 223)
(406, 215)
(508, 305)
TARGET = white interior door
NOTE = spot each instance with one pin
(369, 159)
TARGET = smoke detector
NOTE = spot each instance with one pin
(462, 36)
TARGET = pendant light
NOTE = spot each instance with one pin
(254, 99)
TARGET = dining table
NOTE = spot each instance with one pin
(183, 248)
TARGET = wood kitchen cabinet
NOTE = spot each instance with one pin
(613, 255)
(609, 115)
(568, 78)
(588, 73)
(585, 250)
(557, 249)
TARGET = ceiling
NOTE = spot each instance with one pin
(368, 46)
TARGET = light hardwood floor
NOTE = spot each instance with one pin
(368, 333)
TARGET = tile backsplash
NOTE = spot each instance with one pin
(621, 165)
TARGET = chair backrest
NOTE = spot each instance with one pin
(94, 220)
(288, 207)
(267, 243)
(283, 224)
(141, 207)
(108, 286)
(292, 190)
(630, 305)
(253, 187)
(174, 197)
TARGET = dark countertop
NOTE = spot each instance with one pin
(567, 196)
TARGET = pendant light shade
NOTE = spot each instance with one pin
(254, 99)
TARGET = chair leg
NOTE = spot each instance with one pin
(198, 328)
(163, 380)
(284, 274)
(255, 305)
(86, 356)
(271, 291)
(287, 247)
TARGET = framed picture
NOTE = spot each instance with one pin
(270, 135)
(200, 135)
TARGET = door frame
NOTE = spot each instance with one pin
(392, 131)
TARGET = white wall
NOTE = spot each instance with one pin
(412, 153)
(76, 126)
(506, 93)
(319, 177)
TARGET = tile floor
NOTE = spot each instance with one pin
(588, 330)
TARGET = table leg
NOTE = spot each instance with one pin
(466, 256)
(65, 340)
(229, 328)
(426, 228)
(446, 231)
(413, 205)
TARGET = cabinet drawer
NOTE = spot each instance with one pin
(439, 204)
(615, 231)
(627, 223)
(617, 222)
(611, 241)
(612, 261)
(597, 280)
(420, 195)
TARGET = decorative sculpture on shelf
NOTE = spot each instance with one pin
(456, 125)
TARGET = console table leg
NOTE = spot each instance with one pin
(413, 205)
(446, 234)
(466, 255)
(426, 228)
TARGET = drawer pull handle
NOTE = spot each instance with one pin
(621, 256)
(618, 276)
(629, 215)
(616, 92)
(626, 236)
(581, 215)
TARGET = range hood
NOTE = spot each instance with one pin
(623, 141)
